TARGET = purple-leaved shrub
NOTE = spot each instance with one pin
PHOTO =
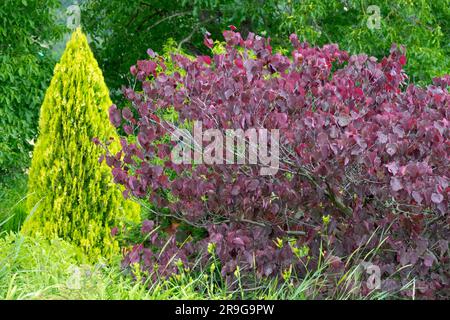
(363, 165)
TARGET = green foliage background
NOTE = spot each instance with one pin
(123, 30)
(27, 28)
(422, 26)
(72, 196)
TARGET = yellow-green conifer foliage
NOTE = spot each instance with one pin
(72, 195)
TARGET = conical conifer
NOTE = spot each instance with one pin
(72, 195)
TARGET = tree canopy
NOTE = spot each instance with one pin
(27, 30)
(122, 31)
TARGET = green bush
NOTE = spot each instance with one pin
(72, 195)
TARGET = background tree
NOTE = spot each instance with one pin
(72, 196)
(27, 30)
(372, 26)
(122, 31)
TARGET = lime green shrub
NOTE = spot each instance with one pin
(72, 195)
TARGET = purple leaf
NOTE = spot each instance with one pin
(238, 241)
(396, 185)
(437, 197)
(115, 116)
(147, 227)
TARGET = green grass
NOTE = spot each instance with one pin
(37, 268)
(33, 268)
(13, 193)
